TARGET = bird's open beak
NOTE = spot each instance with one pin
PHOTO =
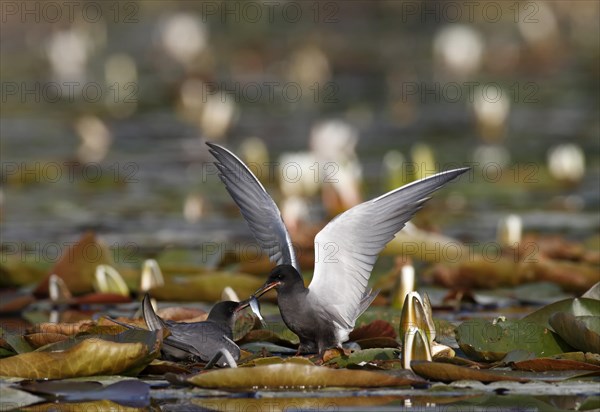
(265, 288)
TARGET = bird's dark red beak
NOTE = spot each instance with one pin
(242, 305)
(266, 287)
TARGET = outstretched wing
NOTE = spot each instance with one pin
(257, 207)
(347, 248)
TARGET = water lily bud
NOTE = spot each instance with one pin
(151, 276)
(510, 230)
(109, 280)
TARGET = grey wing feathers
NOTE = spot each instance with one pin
(349, 245)
(257, 207)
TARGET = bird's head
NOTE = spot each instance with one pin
(282, 277)
(225, 312)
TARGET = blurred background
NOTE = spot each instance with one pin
(106, 107)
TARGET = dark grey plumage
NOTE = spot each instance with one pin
(197, 340)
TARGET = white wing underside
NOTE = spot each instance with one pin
(347, 248)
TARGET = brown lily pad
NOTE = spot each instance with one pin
(446, 372)
(293, 375)
(37, 340)
(376, 329)
(68, 329)
(89, 357)
(548, 364)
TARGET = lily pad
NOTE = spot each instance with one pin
(447, 372)
(15, 342)
(549, 364)
(593, 292)
(576, 307)
(77, 265)
(365, 356)
(264, 335)
(581, 332)
(292, 375)
(92, 356)
(376, 329)
(486, 341)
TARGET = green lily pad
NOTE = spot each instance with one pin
(17, 342)
(485, 341)
(576, 307)
(365, 356)
(581, 332)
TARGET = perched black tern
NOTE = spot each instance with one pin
(207, 340)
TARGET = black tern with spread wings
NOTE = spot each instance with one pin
(324, 313)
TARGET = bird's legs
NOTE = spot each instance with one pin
(221, 353)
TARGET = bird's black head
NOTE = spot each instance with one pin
(224, 312)
(282, 278)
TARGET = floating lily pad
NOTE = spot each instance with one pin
(576, 307)
(15, 342)
(89, 357)
(446, 372)
(593, 292)
(292, 375)
(365, 356)
(376, 329)
(275, 360)
(581, 332)
(77, 265)
(549, 364)
(264, 335)
(383, 342)
(485, 341)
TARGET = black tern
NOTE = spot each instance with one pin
(324, 313)
(206, 340)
